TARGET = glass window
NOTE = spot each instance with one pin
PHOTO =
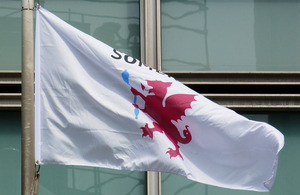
(115, 23)
(234, 35)
(10, 152)
(10, 35)
(76, 180)
(288, 168)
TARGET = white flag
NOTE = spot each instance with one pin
(96, 106)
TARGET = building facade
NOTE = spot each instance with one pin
(242, 54)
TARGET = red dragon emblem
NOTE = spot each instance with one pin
(163, 113)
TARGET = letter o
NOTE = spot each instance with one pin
(126, 59)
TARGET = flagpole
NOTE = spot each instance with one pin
(27, 116)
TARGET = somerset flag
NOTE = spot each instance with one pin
(96, 106)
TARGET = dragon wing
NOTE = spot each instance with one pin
(177, 104)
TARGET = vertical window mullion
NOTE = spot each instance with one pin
(149, 55)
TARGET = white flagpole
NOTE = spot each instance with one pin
(27, 135)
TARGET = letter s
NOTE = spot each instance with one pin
(119, 55)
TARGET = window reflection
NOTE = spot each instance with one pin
(115, 23)
(248, 35)
(62, 179)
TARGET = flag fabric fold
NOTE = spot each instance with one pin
(96, 106)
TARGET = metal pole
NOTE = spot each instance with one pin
(27, 135)
(148, 18)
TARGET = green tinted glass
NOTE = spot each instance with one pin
(116, 23)
(10, 35)
(233, 35)
(75, 180)
(286, 181)
(10, 152)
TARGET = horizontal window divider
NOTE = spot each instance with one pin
(237, 94)
(276, 102)
(254, 95)
(10, 95)
(10, 82)
(10, 106)
(256, 77)
(10, 100)
(13, 77)
(256, 108)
